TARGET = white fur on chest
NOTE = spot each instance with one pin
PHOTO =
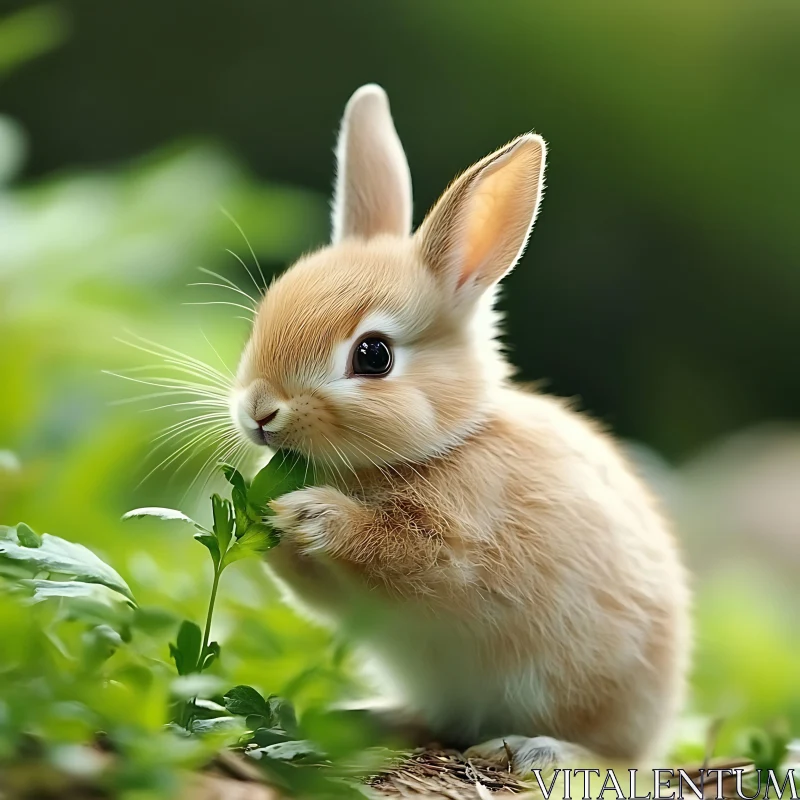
(446, 669)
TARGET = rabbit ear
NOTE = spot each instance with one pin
(477, 231)
(373, 183)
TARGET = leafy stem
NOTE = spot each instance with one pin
(240, 530)
(212, 600)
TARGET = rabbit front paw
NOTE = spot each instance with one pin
(312, 518)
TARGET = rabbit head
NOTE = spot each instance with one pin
(381, 347)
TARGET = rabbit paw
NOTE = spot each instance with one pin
(522, 754)
(310, 518)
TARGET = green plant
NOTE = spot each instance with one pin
(66, 688)
(48, 572)
(240, 530)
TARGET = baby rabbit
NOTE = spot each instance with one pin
(488, 547)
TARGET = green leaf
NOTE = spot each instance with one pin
(88, 603)
(264, 737)
(223, 521)
(208, 709)
(66, 558)
(159, 513)
(186, 652)
(241, 512)
(100, 643)
(285, 472)
(282, 714)
(211, 654)
(176, 656)
(189, 642)
(256, 721)
(44, 589)
(274, 716)
(767, 748)
(234, 478)
(217, 725)
(27, 536)
(209, 541)
(288, 751)
(245, 701)
(258, 539)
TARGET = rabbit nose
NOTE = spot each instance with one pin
(266, 420)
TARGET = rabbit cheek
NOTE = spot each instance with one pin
(310, 425)
(382, 425)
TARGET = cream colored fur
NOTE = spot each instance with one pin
(487, 546)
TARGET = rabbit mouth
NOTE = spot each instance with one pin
(262, 438)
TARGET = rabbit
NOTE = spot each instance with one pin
(510, 580)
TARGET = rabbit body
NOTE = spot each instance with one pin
(489, 548)
(521, 584)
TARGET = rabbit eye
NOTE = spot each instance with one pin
(372, 357)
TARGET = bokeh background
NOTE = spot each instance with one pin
(661, 288)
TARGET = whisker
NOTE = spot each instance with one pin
(319, 465)
(165, 382)
(371, 460)
(406, 463)
(247, 241)
(179, 388)
(197, 403)
(236, 456)
(208, 431)
(207, 396)
(220, 453)
(240, 457)
(221, 303)
(208, 415)
(169, 364)
(239, 259)
(163, 351)
(306, 443)
(156, 396)
(335, 466)
(346, 463)
(188, 424)
(228, 281)
(177, 453)
(352, 469)
(223, 286)
(216, 353)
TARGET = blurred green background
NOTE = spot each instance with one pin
(661, 287)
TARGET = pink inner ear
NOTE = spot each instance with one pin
(477, 230)
(479, 235)
(497, 218)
